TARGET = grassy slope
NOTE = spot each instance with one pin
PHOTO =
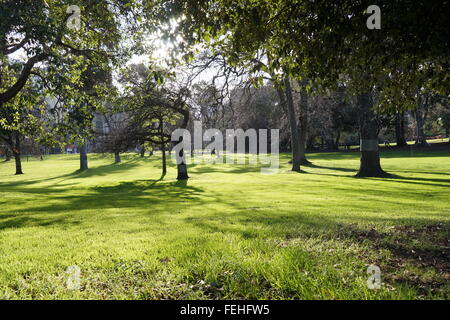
(230, 232)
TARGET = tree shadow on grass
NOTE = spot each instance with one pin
(327, 156)
(230, 168)
(331, 168)
(417, 242)
(20, 221)
(415, 154)
(425, 172)
(93, 172)
(387, 177)
(413, 180)
(423, 246)
(103, 170)
(154, 195)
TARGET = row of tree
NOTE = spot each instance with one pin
(329, 121)
(323, 45)
(317, 68)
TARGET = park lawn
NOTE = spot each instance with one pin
(229, 232)
(411, 144)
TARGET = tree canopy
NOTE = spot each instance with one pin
(326, 41)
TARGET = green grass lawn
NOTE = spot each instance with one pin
(411, 143)
(229, 232)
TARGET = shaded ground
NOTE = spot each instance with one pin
(422, 247)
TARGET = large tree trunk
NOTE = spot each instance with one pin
(163, 148)
(295, 140)
(117, 158)
(143, 152)
(368, 127)
(14, 149)
(16, 153)
(164, 161)
(83, 157)
(182, 173)
(400, 129)
(303, 125)
(18, 163)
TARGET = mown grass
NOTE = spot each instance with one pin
(229, 232)
(410, 143)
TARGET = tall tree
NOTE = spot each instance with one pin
(23, 116)
(155, 104)
(303, 122)
(57, 41)
(368, 131)
(295, 137)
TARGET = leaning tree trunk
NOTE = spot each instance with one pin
(117, 158)
(400, 129)
(303, 125)
(83, 157)
(17, 156)
(295, 139)
(368, 127)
